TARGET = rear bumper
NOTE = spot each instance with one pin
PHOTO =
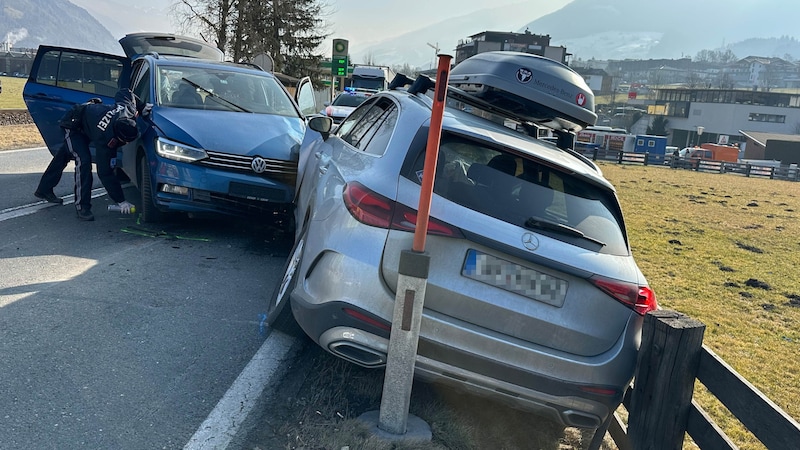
(570, 403)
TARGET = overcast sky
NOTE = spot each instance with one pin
(367, 22)
(361, 21)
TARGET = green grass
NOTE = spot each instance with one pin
(11, 97)
(725, 250)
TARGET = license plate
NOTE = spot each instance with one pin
(515, 278)
(259, 193)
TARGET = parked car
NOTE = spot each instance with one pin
(533, 295)
(345, 102)
(222, 138)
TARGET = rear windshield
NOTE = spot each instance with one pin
(526, 192)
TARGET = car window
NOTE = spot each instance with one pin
(141, 82)
(79, 71)
(372, 127)
(349, 100)
(217, 88)
(523, 191)
(305, 97)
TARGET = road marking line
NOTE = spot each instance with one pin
(24, 210)
(221, 425)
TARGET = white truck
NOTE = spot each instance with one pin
(376, 78)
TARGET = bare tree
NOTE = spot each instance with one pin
(290, 31)
(210, 19)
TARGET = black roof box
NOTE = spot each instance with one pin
(529, 87)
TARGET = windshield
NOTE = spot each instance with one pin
(222, 90)
(349, 100)
(367, 83)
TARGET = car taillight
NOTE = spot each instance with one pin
(374, 209)
(367, 319)
(641, 299)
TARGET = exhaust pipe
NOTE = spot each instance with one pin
(356, 346)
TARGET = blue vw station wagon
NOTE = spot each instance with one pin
(222, 137)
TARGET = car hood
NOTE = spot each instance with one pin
(237, 133)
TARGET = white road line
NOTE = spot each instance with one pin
(221, 425)
(24, 210)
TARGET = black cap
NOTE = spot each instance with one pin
(125, 129)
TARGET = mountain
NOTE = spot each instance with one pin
(613, 29)
(632, 29)
(141, 15)
(413, 48)
(29, 23)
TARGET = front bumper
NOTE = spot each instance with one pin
(195, 187)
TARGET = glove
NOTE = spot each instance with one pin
(125, 207)
(148, 108)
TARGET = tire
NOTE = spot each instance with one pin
(279, 311)
(150, 213)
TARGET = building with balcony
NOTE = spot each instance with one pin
(490, 41)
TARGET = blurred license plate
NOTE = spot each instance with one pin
(515, 278)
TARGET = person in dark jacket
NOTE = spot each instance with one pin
(104, 126)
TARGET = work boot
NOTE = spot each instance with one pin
(49, 196)
(85, 215)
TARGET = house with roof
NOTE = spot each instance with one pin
(771, 146)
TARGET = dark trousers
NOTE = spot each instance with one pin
(76, 146)
(52, 175)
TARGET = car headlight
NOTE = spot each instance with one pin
(179, 152)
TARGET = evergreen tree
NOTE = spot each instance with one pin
(658, 127)
(290, 31)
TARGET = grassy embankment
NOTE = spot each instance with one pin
(724, 249)
(16, 136)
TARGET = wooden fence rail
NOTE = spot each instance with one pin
(660, 405)
(745, 169)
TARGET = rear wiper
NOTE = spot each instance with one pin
(537, 223)
(216, 96)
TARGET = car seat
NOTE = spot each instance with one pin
(186, 95)
(493, 192)
(535, 194)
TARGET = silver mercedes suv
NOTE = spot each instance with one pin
(533, 296)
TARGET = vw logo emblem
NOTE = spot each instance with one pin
(258, 165)
(530, 242)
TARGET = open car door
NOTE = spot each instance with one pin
(62, 77)
(304, 97)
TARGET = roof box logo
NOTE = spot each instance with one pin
(524, 75)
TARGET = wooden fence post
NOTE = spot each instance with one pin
(664, 380)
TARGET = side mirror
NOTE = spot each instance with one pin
(322, 125)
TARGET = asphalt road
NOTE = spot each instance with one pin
(115, 334)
